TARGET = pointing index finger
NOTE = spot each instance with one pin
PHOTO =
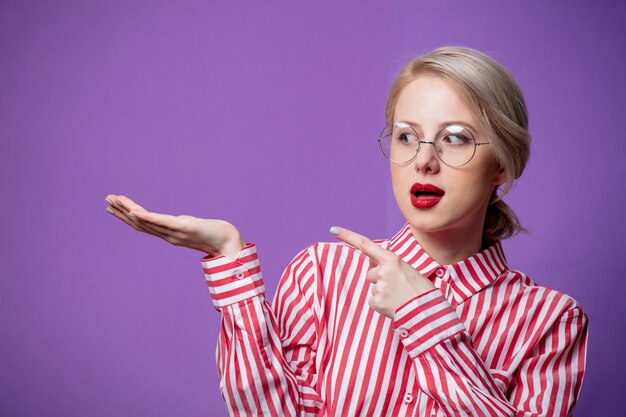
(362, 243)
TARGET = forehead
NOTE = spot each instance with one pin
(430, 100)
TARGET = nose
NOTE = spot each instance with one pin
(426, 160)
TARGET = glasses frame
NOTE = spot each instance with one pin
(420, 141)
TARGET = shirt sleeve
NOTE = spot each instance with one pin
(449, 370)
(265, 353)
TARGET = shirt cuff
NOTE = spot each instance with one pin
(233, 280)
(424, 321)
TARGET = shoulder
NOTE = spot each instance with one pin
(546, 301)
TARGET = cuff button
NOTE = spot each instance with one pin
(402, 332)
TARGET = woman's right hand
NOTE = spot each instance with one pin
(211, 236)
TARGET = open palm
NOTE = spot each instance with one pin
(212, 236)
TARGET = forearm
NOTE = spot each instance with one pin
(255, 378)
(255, 368)
(454, 374)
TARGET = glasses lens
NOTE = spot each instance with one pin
(455, 145)
(399, 144)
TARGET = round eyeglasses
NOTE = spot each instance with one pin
(454, 145)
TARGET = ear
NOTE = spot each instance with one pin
(499, 177)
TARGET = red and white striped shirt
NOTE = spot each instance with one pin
(487, 341)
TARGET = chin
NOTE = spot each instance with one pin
(423, 227)
(425, 222)
(438, 219)
(434, 222)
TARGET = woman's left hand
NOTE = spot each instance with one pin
(394, 282)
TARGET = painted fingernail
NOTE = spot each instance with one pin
(119, 203)
(334, 230)
(108, 201)
(110, 211)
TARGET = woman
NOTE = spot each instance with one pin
(428, 323)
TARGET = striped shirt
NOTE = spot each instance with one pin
(487, 341)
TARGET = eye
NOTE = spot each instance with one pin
(455, 136)
(404, 134)
(406, 138)
(456, 139)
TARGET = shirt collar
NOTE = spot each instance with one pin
(462, 279)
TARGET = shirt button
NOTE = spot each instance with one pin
(408, 398)
(440, 272)
(402, 332)
(239, 273)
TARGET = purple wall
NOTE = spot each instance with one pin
(265, 116)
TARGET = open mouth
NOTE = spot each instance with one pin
(424, 196)
(426, 191)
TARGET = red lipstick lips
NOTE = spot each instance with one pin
(424, 196)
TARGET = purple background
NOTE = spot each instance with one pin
(264, 115)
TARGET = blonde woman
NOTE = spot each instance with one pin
(430, 322)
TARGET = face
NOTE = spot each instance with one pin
(429, 103)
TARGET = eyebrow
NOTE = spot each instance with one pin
(442, 124)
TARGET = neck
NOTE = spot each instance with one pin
(450, 246)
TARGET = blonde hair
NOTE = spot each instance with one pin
(497, 102)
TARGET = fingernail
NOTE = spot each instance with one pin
(119, 203)
(110, 211)
(334, 230)
(108, 201)
(131, 215)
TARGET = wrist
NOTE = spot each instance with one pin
(232, 248)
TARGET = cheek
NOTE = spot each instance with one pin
(473, 188)
(483, 188)
(398, 178)
(401, 184)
